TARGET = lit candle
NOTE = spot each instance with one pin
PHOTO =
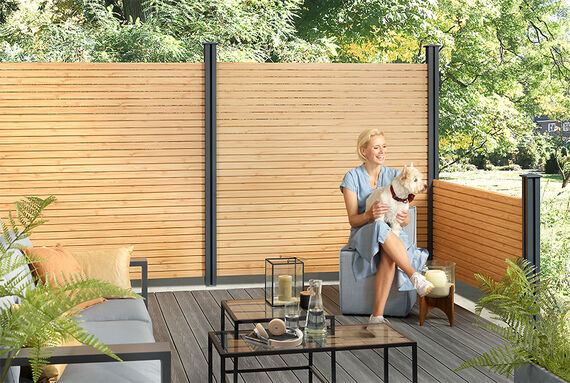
(285, 283)
(440, 284)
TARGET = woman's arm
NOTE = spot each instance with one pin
(355, 219)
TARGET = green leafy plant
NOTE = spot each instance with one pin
(536, 322)
(45, 316)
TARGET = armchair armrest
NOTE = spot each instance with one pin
(143, 264)
(127, 352)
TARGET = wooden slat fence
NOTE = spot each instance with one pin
(286, 137)
(477, 229)
(120, 145)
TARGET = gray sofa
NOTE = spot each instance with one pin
(357, 297)
(122, 324)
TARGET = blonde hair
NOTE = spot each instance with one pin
(364, 138)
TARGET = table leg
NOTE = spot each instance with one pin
(333, 366)
(310, 367)
(235, 360)
(385, 364)
(210, 373)
(222, 369)
(415, 363)
(223, 319)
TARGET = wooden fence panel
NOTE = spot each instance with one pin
(120, 145)
(476, 229)
(286, 137)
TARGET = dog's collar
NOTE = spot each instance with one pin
(409, 199)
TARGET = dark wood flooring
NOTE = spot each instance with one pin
(184, 319)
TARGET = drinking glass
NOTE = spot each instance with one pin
(292, 315)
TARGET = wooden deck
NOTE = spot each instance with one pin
(184, 318)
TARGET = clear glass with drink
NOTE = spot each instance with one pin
(292, 314)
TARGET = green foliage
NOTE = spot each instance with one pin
(168, 31)
(560, 156)
(531, 152)
(536, 322)
(555, 241)
(551, 167)
(44, 318)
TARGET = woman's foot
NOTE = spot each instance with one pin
(377, 319)
(421, 284)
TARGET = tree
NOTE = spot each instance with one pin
(155, 31)
(561, 154)
(502, 62)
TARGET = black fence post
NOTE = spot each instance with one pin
(432, 60)
(531, 218)
(210, 165)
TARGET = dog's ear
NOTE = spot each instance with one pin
(405, 172)
(412, 165)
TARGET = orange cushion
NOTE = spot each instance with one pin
(52, 262)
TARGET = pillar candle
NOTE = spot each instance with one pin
(285, 283)
(440, 283)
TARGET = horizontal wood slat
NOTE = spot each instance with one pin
(286, 137)
(120, 145)
(477, 229)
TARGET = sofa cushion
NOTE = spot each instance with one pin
(109, 265)
(116, 309)
(116, 332)
(12, 256)
(120, 332)
(54, 264)
(147, 371)
(13, 372)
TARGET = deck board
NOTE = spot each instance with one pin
(184, 318)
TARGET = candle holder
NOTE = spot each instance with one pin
(284, 280)
(442, 275)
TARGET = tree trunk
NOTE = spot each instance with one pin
(565, 180)
(133, 10)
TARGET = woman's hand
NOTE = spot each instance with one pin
(376, 210)
(403, 218)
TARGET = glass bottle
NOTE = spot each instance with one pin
(315, 324)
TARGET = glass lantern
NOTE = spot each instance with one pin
(284, 280)
(442, 275)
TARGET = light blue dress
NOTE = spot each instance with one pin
(364, 240)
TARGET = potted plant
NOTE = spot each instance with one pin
(536, 325)
(44, 316)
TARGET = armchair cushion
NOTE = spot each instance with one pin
(116, 310)
(6, 302)
(120, 332)
(116, 372)
(23, 272)
(109, 265)
(54, 263)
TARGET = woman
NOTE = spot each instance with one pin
(368, 236)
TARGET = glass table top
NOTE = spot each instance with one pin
(251, 310)
(360, 336)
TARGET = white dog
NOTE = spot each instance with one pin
(398, 195)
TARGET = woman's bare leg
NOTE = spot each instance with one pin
(395, 249)
(383, 283)
(393, 253)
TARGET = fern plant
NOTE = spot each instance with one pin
(44, 317)
(536, 318)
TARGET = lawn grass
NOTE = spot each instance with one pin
(506, 182)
